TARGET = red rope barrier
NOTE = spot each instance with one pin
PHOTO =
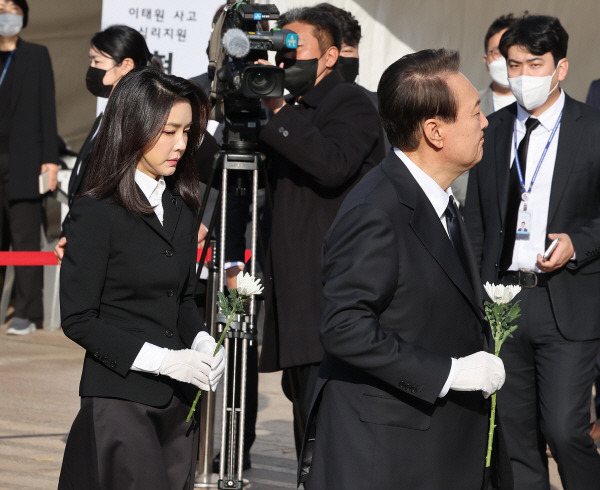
(48, 258)
(27, 258)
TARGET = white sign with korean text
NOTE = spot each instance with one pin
(176, 30)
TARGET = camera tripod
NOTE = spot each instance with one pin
(241, 334)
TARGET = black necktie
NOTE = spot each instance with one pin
(514, 197)
(452, 218)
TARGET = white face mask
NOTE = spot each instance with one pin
(10, 24)
(532, 92)
(498, 71)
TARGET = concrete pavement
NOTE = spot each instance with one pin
(39, 377)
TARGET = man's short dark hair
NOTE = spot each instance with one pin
(351, 32)
(501, 23)
(325, 26)
(414, 89)
(538, 34)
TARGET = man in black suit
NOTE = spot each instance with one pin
(321, 142)
(28, 148)
(401, 397)
(542, 160)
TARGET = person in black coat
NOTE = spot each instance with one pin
(321, 142)
(28, 148)
(126, 293)
(550, 358)
(401, 399)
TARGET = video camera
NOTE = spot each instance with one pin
(237, 42)
(243, 42)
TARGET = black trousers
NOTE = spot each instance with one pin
(20, 223)
(298, 385)
(546, 399)
(116, 444)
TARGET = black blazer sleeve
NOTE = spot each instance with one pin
(82, 282)
(48, 110)
(334, 153)
(359, 284)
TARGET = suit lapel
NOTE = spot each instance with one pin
(502, 149)
(152, 220)
(20, 64)
(566, 154)
(172, 203)
(428, 228)
(84, 155)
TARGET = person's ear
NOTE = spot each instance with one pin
(126, 66)
(433, 132)
(331, 56)
(563, 69)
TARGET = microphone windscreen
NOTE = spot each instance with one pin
(236, 43)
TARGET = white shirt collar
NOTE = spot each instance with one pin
(549, 117)
(147, 184)
(436, 195)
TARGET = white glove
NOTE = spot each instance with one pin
(218, 368)
(480, 371)
(206, 344)
(188, 366)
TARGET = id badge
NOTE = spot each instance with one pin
(523, 223)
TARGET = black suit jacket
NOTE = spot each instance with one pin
(320, 149)
(78, 179)
(593, 95)
(397, 305)
(124, 281)
(33, 137)
(574, 208)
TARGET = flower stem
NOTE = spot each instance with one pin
(488, 457)
(219, 343)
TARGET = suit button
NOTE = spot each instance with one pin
(96, 354)
(113, 364)
(285, 134)
(169, 333)
(105, 360)
(169, 253)
(170, 293)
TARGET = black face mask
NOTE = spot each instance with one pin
(300, 75)
(93, 82)
(347, 68)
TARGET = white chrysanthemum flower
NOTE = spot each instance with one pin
(501, 294)
(248, 285)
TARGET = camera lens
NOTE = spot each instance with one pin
(262, 82)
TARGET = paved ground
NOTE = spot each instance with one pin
(39, 376)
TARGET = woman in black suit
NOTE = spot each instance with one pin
(126, 292)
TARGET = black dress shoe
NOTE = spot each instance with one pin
(217, 462)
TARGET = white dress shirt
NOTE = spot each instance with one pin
(153, 190)
(526, 251)
(439, 200)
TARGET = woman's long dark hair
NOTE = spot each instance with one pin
(120, 42)
(135, 115)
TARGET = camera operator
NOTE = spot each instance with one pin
(347, 64)
(321, 142)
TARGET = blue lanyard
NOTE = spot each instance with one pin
(537, 169)
(6, 67)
